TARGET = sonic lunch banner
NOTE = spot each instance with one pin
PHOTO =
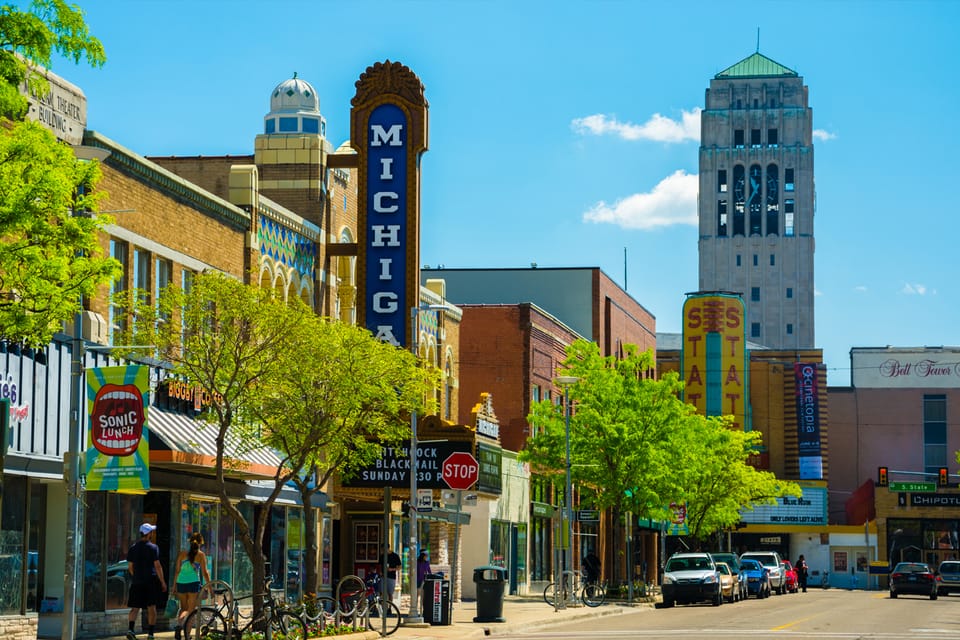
(118, 458)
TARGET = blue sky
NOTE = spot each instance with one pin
(566, 133)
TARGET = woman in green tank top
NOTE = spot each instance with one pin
(190, 571)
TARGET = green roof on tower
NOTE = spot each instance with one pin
(756, 64)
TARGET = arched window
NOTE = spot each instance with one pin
(754, 199)
(739, 199)
(773, 200)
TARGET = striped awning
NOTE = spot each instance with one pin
(177, 440)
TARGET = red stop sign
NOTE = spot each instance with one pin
(460, 470)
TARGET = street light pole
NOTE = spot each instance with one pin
(565, 382)
(413, 617)
(72, 477)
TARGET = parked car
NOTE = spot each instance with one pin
(758, 577)
(771, 560)
(913, 577)
(729, 583)
(733, 561)
(691, 577)
(791, 582)
(949, 574)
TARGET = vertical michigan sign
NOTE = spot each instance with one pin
(388, 123)
(714, 355)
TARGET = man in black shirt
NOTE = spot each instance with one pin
(393, 563)
(147, 583)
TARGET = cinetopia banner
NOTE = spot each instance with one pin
(118, 458)
(808, 420)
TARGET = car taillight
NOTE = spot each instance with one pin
(896, 576)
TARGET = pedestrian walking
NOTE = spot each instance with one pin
(189, 574)
(423, 567)
(147, 583)
(393, 565)
(802, 572)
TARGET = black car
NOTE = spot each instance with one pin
(913, 577)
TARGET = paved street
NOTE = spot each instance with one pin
(815, 615)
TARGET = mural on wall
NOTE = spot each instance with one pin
(118, 457)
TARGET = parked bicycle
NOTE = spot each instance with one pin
(224, 618)
(592, 594)
(362, 600)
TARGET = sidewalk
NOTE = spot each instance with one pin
(520, 614)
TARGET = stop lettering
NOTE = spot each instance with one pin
(460, 470)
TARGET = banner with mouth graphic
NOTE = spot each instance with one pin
(118, 458)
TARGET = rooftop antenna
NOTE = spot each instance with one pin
(758, 39)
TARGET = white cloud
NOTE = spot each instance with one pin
(860, 288)
(658, 128)
(823, 134)
(672, 201)
(917, 289)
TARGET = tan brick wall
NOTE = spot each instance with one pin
(171, 224)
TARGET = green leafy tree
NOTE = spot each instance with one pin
(621, 424)
(716, 482)
(344, 396)
(28, 40)
(235, 342)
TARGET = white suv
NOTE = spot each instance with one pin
(771, 560)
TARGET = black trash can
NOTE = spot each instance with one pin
(491, 582)
(436, 599)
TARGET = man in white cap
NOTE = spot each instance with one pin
(147, 583)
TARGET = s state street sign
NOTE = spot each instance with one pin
(460, 470)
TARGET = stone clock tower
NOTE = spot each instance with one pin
(756, 201)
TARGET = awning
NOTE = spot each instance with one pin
(184, 442)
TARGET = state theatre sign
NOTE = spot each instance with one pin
(714, 355)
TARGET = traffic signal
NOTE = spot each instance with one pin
(882, 480)
(943, 478)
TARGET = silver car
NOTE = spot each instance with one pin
(949, 573)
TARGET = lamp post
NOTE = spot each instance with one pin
(565, 382)
(413, 617)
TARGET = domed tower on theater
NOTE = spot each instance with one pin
(291, 152)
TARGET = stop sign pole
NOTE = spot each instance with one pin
(460, 471)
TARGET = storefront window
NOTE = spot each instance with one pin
(124, 514)
(521, 559)
(94, 531)
(12, 528)
(326, 555)
(295, 555)
(242, 566)
(222, 548)
(499, 543)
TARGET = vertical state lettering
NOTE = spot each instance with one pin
(387, 233)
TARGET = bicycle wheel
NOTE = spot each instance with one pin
(286, 625)
(205, 623)
(593, 595)
(550, 591)
(319, 612)
(351, 591)
(380, 609)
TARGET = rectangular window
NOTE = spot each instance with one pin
(788, 224)
(738, 138)
(164, 269)
(755, 294)
(789, 329)
(789, 292)
(772, 137)
(934, 433)
(754, 329)
(344, 203)
(788, 180)
(119, 252)
(289, 125)
(773, 260)
(756, 260)
(722, 180)
(141, 270)
(721, 217)
(754, 138)
(738, 259)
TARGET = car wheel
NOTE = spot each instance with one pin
(893, 594)
(667, 603)
(942, 592)
(718, 599)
